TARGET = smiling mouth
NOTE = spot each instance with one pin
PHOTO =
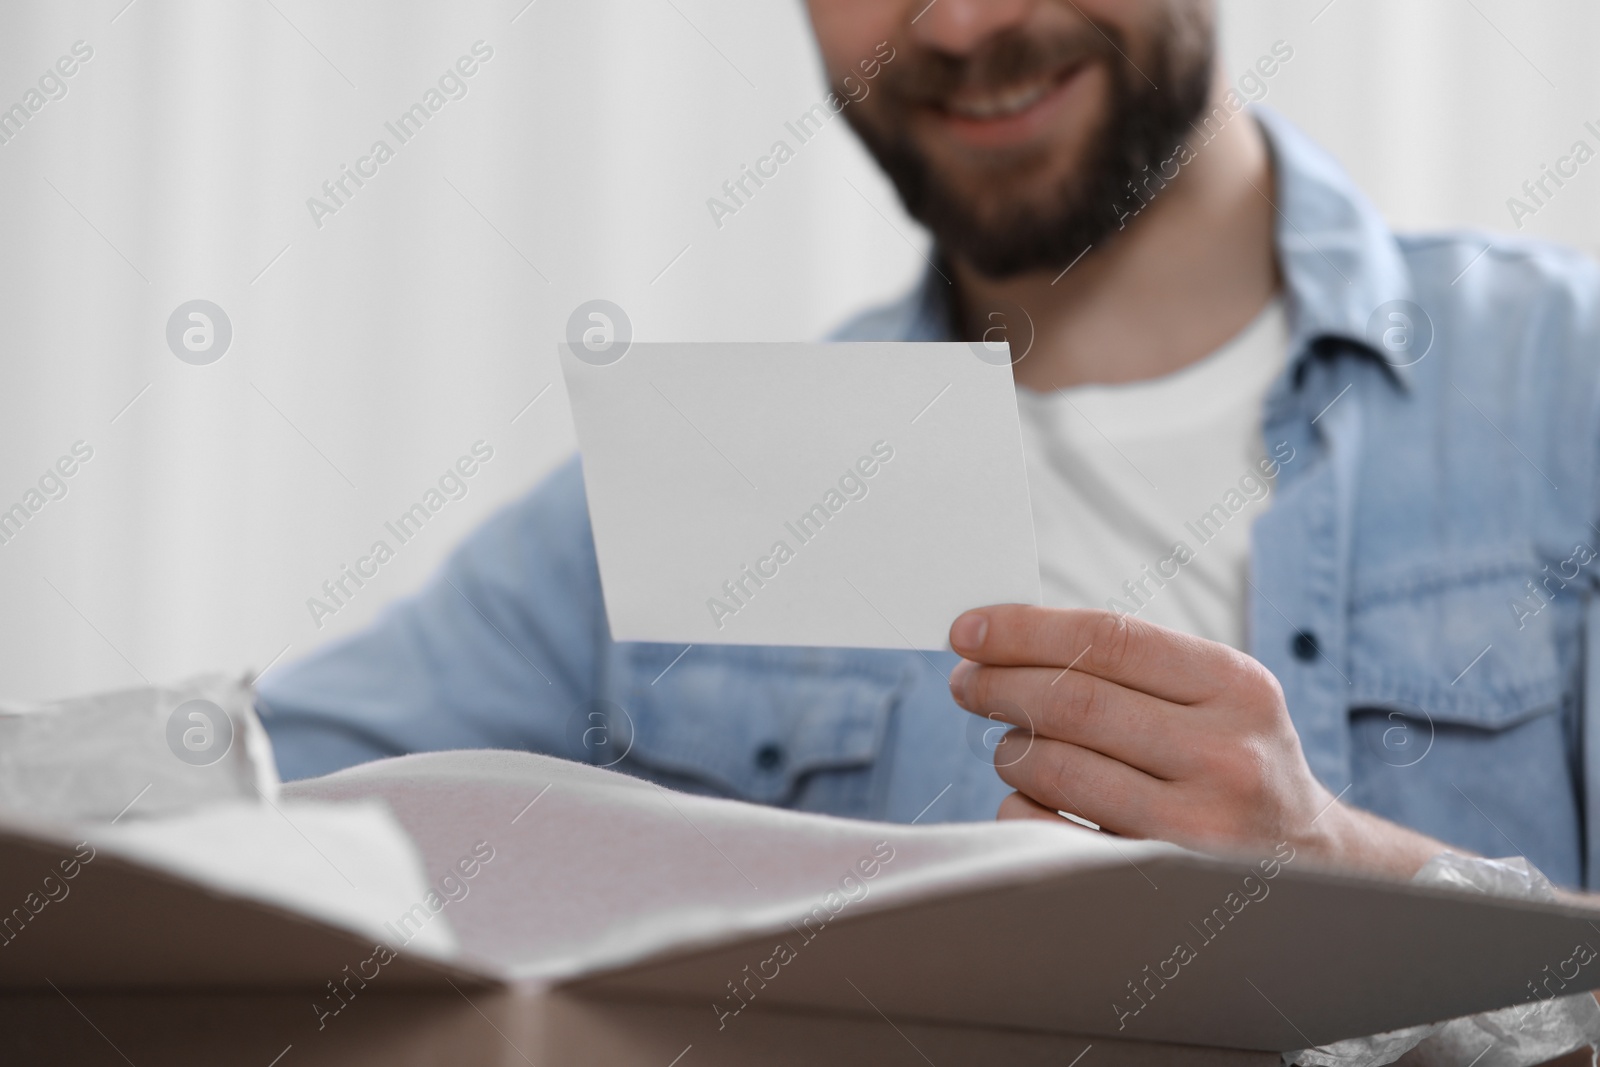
(990, 105)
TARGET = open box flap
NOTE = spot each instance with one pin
(615, 888)
(125, 920)
(1308, 958)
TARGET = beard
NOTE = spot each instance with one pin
(1001, 233)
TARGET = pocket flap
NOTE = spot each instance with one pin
(1454, 647)
(753, 722)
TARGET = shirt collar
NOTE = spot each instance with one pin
(1339, 260)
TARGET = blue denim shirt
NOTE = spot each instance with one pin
(1421, 585)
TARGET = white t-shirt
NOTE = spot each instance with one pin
(1144, 493)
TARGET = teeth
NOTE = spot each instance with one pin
(999, 105)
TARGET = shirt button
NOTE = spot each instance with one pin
(769, 757)
(1304, 646)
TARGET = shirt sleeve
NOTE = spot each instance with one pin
(499, 650)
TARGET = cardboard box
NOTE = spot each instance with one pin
(619, 923)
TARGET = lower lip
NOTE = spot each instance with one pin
(1019, 127)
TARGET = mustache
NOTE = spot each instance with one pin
(1011, 58)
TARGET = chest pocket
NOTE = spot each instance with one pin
(1463, 718)
(753, 723)
(1467, 644)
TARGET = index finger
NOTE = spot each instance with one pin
(1139, 655)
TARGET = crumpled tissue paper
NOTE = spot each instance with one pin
(152, 750)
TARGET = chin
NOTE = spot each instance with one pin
(1006, 203)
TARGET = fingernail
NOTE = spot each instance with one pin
(958, 679)
(967, 632)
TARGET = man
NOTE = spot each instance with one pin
(1204, 307)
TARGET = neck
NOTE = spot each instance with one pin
(1185, 275)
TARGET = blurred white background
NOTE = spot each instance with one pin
(370, 352)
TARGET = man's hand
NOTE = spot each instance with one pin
(1148, 732)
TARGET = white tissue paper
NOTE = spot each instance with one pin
(181, 778)
(134, 753)
(1520, 1036)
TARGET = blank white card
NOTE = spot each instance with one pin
(848, 494)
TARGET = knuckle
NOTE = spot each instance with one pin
(1085, 788)
(1081, 703)
(1065, 781)
(1251, 674)
(1112, 643)
(1249, 686)
(1089, 790)
(1044, 764)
